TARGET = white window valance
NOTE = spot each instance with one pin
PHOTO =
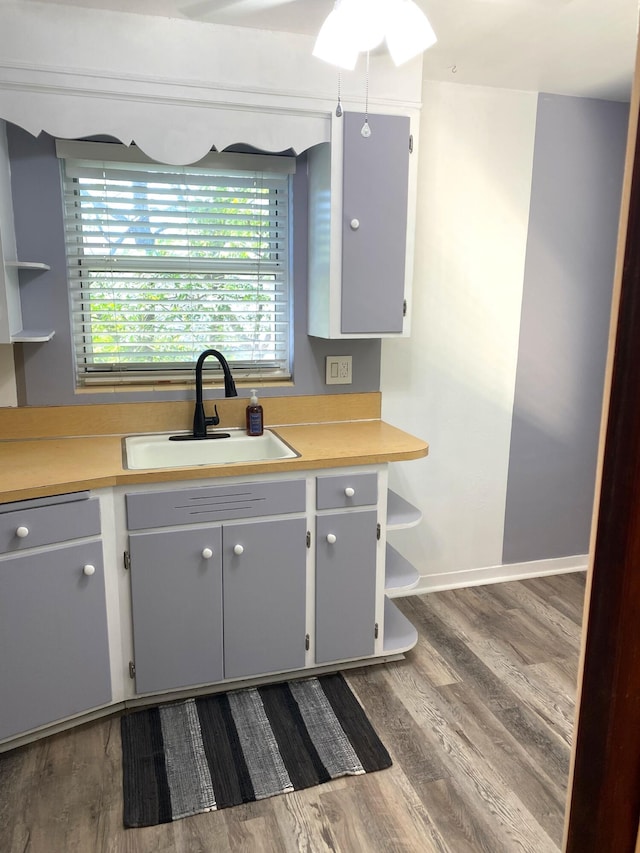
(177, 134)
(178, 88)
(87, 153)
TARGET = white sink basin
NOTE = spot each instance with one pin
(157, 451)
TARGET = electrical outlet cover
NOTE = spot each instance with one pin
(338, 370)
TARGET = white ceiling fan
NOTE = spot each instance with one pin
(238, 8)
(233, 8)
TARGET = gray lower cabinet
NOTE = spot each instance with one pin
(264, 596)
(54, 649)
(176, 589)
(345, 585)
(223, 601)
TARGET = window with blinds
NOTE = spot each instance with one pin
(167, 261)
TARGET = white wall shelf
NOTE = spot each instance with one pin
(27, 265)
(29, 335)
(11, 322)
(32, 336)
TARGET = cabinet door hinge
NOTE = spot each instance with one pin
(411, 143)
(127, 561)
(308, 539)
(132, 669)
(376, 632)
(404, 308)
(378, 531)
(306, 642)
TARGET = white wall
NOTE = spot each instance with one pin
(453, 381)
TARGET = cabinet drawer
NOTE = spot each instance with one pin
(31, 526)
(346, 490)
(214, 503)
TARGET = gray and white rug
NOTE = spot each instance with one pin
(218, 751)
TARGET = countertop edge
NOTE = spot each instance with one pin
(379, 445)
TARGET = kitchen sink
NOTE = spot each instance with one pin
(159, 451)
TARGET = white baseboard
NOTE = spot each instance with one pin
(497, 574)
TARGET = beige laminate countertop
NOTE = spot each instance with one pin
(48, 466)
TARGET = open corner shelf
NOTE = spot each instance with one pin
(10, 301)
(399, 633)
(400, 574)
(400, 513)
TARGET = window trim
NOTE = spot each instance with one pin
(94, 155)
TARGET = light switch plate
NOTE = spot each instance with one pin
(338, 370)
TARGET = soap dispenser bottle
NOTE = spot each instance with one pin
(255, 424)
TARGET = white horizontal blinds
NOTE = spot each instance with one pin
(166, 261)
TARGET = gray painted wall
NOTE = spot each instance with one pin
(45, 371)
(573, 222)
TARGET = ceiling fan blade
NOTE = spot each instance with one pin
(542, 4)
(207, 8)
(246, 7)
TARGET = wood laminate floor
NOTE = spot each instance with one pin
(477, 718)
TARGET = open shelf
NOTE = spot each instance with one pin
(400, 574)
(399, 633)
(27, 265)
(10, 283)
(32, 336)
(400, 513)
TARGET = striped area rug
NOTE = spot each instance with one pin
(217, 751)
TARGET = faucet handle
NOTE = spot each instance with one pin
(214, 420)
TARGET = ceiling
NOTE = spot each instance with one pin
(575, 47)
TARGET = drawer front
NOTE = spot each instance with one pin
(214, 503)
(346, 490)
(26, 528)
(36, 503)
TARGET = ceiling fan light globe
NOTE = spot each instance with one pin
(333, 43)
(364, 22)
(408, 33)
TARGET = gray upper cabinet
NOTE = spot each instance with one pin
(358, 219)
(54, 649)
(374, 224)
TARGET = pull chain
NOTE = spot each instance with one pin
(339, 104)
(365, 130)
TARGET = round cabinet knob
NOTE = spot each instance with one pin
(22, 532)
(349, 492)
(354, 224)
(89, 570)
(238, 549)
(331, 538)
(207, 553)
